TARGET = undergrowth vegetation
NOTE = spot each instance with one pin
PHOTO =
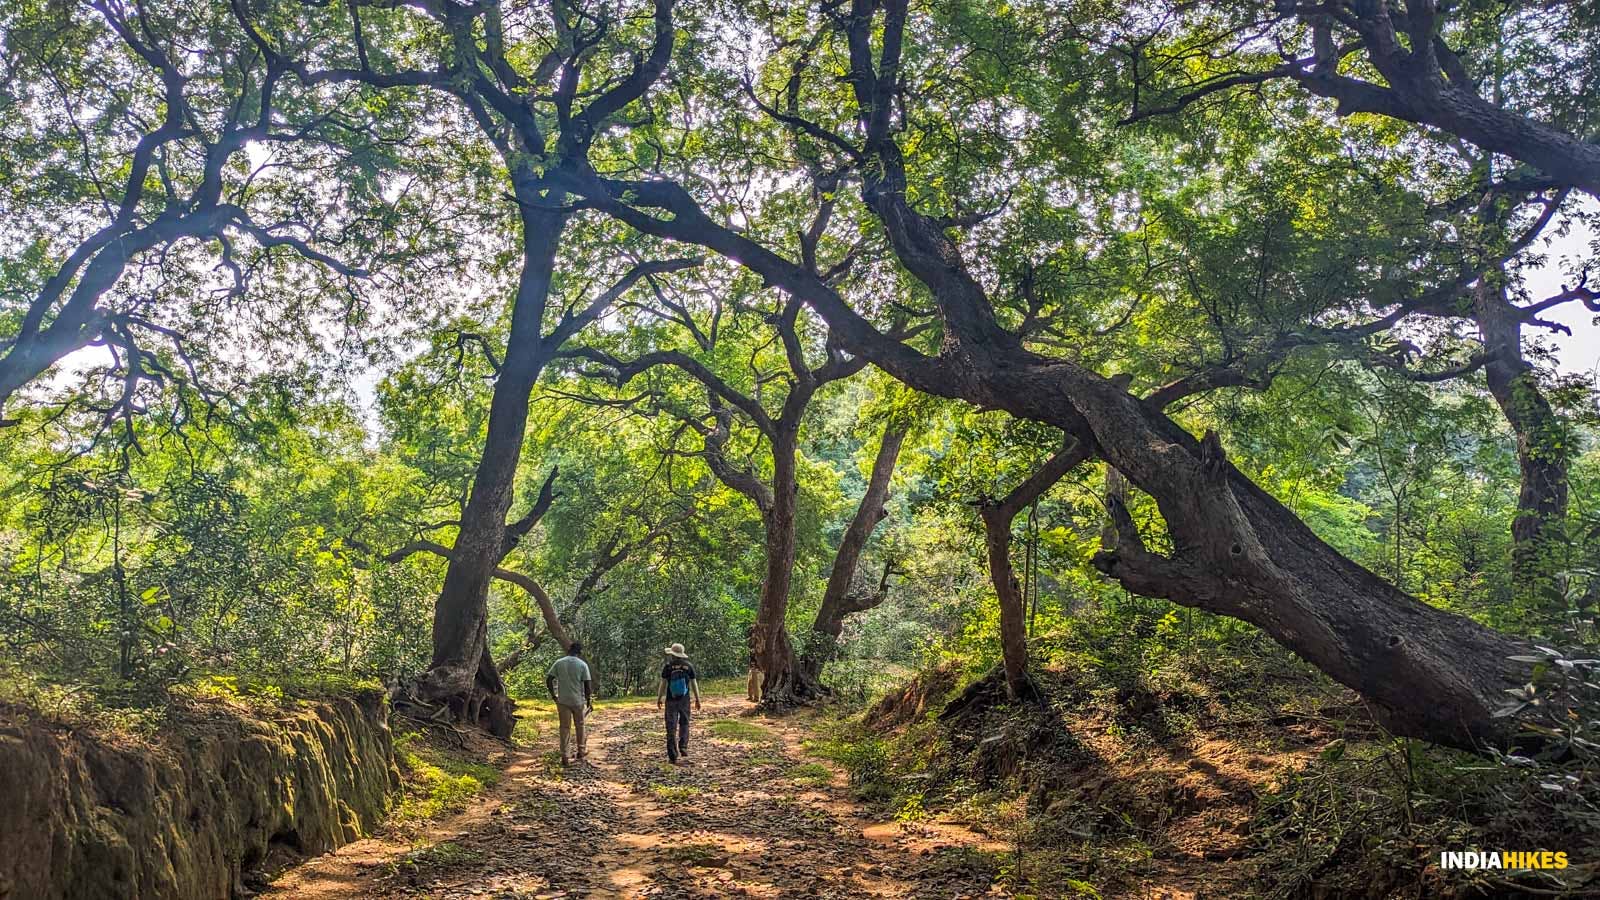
(438, 780)
(1164, 754)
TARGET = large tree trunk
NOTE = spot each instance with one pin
(1239, 552)
(783, 681)
(1541, 448)
(841, 597)
(997, 518)
(461, 669)
(1013, 613)
(1236, 550)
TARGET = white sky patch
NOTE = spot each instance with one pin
(1578, 353)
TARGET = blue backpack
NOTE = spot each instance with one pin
(678, 684)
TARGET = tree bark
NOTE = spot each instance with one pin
(783, 681)
(1425, 84)
(1423, 81)
(1241, 553)
(840, 598)
(1238, 552)
(1013, 615)
(461, 666)
(1542, 454)
(611, 555)
(548, 617)
(998, 516)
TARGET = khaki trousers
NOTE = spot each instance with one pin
(571, 719)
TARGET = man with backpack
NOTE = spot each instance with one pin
(573, 692)
(678, 684)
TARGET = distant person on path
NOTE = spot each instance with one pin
(752, 683)
(678, 684)
(572, 690)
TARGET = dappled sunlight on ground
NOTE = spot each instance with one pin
(749, 814)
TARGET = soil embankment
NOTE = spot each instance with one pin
(217, 793)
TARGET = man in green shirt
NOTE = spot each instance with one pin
(572, 691)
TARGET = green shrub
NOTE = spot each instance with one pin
(437, 782)
(812, 773)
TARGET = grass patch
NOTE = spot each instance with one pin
(724, 686)
(741, 732)
(443, 855)
(1371, 818)
(812, 773)
(866, 757)
(535, 719)
(437, 782)
(26, 697)
(700, 853)
(674, 793)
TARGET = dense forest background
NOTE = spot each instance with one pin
(253, 545)
(243, 443)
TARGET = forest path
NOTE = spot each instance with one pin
(749, 815)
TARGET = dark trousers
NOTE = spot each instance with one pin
(677, 727)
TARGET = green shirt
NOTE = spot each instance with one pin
(569, 673)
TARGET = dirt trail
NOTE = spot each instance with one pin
(750, 815)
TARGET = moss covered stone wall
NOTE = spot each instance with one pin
(188, 813)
